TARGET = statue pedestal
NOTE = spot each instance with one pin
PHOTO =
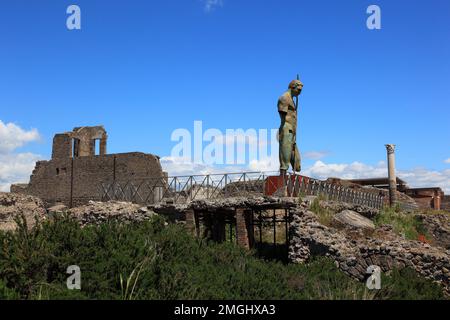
(274, 185)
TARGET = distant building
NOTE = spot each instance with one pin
(381, 183)
(80, 167)
(445, 203)
(426, 198)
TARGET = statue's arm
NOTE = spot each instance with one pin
(283, 105)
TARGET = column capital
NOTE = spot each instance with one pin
(390, 148)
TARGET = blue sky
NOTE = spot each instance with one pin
(146, 68)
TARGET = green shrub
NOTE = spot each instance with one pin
(7, 293)
(406, 284)
(324, 215)
(149, 260)
(404, 224)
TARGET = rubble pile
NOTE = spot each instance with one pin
(437, 226)
(99, 212)
(353, 255)
(14, 205)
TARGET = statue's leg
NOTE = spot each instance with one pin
(296, 159)
(286, 144)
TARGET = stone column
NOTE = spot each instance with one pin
(437, 200)
(103, 142)
(391, 172)
(92, 147)
(86, 148)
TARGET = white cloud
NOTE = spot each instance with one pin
(267, 164)
(13, 137)
(447, 161)
(416, 178)
(212, 4)
(177, 166)
(423, 178)
(353, 170)
(15, 167)
(181, 166)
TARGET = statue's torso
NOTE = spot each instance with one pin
(288, 114)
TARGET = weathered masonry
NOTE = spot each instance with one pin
(253, 222)
(79, 166)
(425, 198)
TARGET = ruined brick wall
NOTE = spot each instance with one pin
(427, 198)
(75, 173)
(62, 146)
(424, 202)
(75, 181)
(353, 255)
(445, 204)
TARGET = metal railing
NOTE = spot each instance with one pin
(184, 189)
(308, 186)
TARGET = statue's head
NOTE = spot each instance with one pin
(296, 87)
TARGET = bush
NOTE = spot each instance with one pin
(404, 224)
(407, 285)
(6, 293)
(152, 261)
(324, 215)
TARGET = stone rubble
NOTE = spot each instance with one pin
(354, 255)
(336, 206)
(251, 202)
(229, 202)
(13, 205)
(352, 219)
(352, 248)
(99, 212)
(438, 227)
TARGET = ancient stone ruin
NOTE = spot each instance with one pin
(291, 229)
(92, 186)
(76, 172)
(354, 248)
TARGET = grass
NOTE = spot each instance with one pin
(128, 288)
(301, 197)
(403, 224)
(324, 215)
(149, 260)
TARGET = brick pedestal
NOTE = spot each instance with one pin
(244, 229)
(190, 221)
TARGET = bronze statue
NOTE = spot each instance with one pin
(287, 109)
